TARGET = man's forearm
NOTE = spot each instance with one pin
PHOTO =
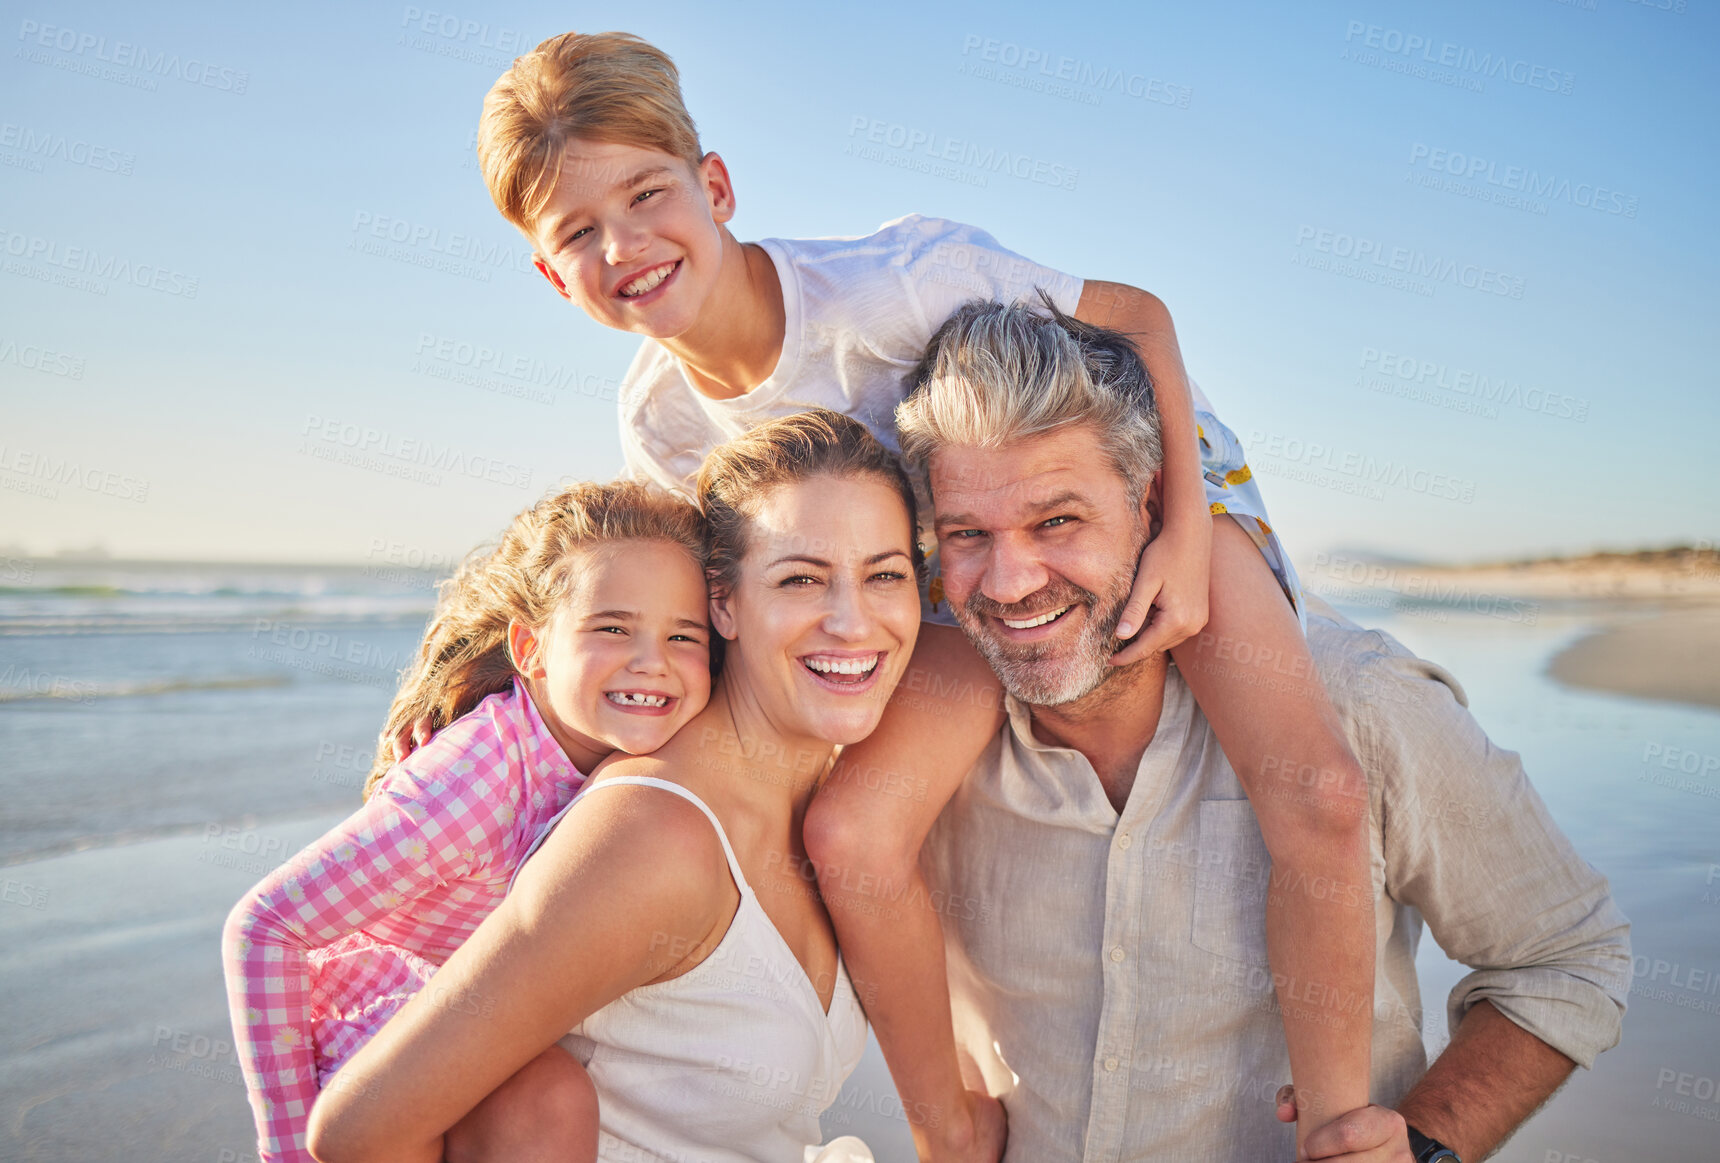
(1490, 1079)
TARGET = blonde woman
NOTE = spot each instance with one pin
(669, 921)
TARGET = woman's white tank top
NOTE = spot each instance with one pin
(731, 1062)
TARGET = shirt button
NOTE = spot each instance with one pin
(1125, 840)
(1117, 953)
(1110, 1064)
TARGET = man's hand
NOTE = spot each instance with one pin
(409, 739)
(1171, 589)
(1372, 1134)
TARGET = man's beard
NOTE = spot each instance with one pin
(1047, 675)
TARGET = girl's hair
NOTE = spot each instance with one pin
(465, 656)
(738, 476)
(605, 86)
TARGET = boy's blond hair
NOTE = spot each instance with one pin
(603, 86)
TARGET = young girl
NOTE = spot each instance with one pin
(587, 147)
(585, 632)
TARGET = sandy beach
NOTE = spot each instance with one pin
(1656, 612)
(1683, 575)
(1674, 657)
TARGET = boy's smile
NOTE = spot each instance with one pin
(633, 235)
(643, 286)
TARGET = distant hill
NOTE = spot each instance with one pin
(1676, 573)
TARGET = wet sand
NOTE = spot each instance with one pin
(1672, 656)
(117, 1042)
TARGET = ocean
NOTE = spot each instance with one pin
(143, 700)
(170, 733)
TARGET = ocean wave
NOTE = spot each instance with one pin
(38, 621)
(50, 597)
(86, 690)
(46, 576)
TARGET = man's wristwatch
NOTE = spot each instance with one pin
(1428, 1150)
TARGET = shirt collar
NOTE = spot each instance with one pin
(1177, 705)
(536, 739)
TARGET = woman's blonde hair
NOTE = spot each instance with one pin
(737, 477)
(525, 577)
(603, 86)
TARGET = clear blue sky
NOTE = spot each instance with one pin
(1323, 194)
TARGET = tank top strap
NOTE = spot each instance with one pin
(653, 781)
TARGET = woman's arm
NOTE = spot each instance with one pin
(633, 887)
(404, 842)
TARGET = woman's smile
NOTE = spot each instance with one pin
(845, 672)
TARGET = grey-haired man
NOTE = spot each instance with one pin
(1116, 992)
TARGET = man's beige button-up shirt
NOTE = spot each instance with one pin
(1112, 984)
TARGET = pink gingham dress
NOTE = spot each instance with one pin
(327, 947)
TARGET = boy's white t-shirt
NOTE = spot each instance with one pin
(858, 314)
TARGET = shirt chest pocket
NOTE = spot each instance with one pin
(1231, 875)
